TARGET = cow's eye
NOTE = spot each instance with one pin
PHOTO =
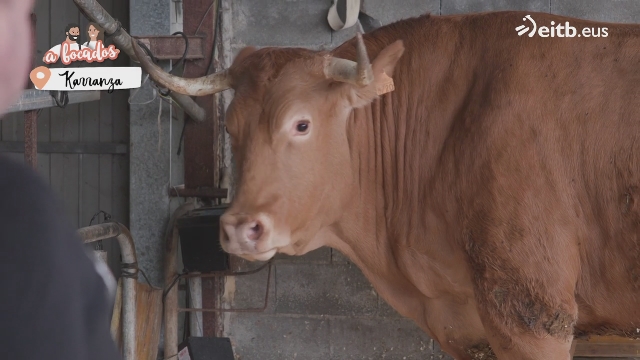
(302, 126)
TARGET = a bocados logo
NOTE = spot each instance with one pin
(71, 50)
(84, 78)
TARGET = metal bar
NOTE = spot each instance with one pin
(66, 147)
(225, 273)
(172, 47)
(263, 308)
(205, 192)
(30, 146)
(103, 256)
(96, 13)
(99, 232)
(195, 295)
(34, 99)
(128, 252)
(170, 273)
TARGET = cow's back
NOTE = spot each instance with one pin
(558, 129)
(527, 153)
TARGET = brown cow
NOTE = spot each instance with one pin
(491, 197)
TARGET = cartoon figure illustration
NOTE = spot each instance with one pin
(70, 50)
(72, 31)
(95, 34)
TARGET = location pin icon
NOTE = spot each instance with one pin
(40, 76)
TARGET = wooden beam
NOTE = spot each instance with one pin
(607, 346)
(201, 139)
(99, 148)
(34, 99)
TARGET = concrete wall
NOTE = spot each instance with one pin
(320, 305)
(155, 133)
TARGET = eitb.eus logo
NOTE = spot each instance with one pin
(558, 30)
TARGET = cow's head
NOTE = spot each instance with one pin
(288, 129)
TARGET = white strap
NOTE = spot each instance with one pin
(353, 9)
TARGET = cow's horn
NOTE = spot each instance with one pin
(358, 73)
(205, 85)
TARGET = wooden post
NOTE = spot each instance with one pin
(201, 141)
(31, 138)
(31, 116)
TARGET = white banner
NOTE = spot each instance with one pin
(86, 78)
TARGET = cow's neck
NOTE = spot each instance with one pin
(394, 225)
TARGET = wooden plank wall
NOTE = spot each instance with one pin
(86, 182)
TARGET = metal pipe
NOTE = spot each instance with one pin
(130, 274)
(195, 294)
(96, 13)
(171, 274)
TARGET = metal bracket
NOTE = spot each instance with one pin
(230, 273)
(172, 47)
(202, 192)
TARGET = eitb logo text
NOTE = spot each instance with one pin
(558, 30)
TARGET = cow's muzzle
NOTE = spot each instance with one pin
(247, 236)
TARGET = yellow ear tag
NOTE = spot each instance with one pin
(386, 84)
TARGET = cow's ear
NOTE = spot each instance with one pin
(383, 68)
(387, 59)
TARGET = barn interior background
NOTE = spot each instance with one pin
(320, 305)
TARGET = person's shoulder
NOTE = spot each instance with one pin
(48, 279)
(26, 198)
(15, 176)
(34, 217)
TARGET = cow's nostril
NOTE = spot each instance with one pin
(254, 231)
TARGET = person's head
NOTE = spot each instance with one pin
(15, 56)
(95, 32)
(72, 31)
